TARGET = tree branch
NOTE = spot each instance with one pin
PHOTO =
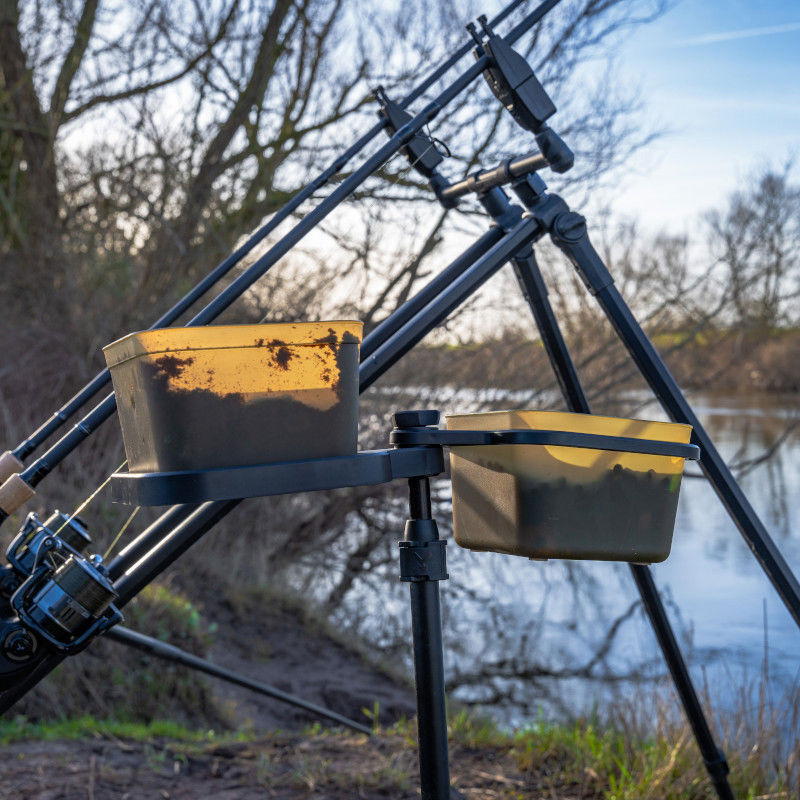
(71, 63)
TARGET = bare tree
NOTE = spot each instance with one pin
(757, 239)
(142, 140)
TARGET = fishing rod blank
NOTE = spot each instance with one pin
(11, 461)
(196, 521)
(169, 652)
(19, 488)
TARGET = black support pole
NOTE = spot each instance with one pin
(168, 652)
(535, 291)
(422, 565)
(570, 235)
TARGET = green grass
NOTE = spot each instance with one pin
(587, 759)
(20, 729)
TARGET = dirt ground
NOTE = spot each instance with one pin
(283, 767)
(276, 647)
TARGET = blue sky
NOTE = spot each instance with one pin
(724, 77)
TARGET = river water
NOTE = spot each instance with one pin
(525, 639)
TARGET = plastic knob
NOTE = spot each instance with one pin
(415, 419)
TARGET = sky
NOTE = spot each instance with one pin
(723, 78)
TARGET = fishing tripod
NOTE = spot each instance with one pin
(514, 232)
(384, 347)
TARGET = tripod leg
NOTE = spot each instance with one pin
(169, 652)
(535, 291)
(569, 233)
(422, 564)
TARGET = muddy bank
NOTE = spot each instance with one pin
(276, 645)
(282, 766)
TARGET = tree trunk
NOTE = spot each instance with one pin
(34, 259)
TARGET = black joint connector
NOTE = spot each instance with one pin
(569, 234)
(529, 188)
(423, 561)
(439, 183)
(497, 205)
(555, 150)
(416, 419)
(718, 768)
(570, 227)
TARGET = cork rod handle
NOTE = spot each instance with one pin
(9, 465)
(14, 493)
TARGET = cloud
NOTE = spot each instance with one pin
(747, 33)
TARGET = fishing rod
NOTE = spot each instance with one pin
(164, 541)
(20, 486)
(26, 660)
(168, 652)
(33, 542)
(11, 460)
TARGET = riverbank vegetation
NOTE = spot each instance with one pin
(582, 760)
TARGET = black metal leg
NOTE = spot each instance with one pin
(569, 233)
(535, 292)
(168, 652)
(422, 565)
(713, 756)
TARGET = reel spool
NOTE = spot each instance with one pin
(67, 606)
(61, 598)
(26, 547)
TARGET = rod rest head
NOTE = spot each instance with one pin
(514, 83)
(555, 150)
(421, 151)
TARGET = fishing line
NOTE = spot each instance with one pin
(120, 532)
(90, 498)
(85, 504)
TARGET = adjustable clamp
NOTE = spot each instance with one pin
(422, 560)
(421, 150)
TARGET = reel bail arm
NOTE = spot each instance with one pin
(54, 598)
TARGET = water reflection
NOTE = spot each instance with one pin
(524, 638)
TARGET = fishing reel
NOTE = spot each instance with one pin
(22, 552)
(62, 600)
(515, 85)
